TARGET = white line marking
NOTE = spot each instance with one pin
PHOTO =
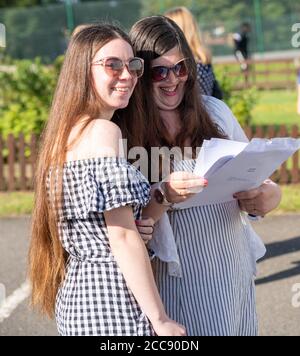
(11, 303)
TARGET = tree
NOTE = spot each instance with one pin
(24, 3)
(158, 6)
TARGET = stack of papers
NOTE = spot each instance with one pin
(233, 167)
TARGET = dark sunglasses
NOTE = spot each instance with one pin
(114, 66)
(160, 73)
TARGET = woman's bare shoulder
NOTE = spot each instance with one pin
(100, 138)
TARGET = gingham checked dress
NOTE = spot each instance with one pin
(94, 298)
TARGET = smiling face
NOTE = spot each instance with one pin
(114, 91)
(168, 94)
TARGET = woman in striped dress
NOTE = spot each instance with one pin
(88, 264)
(213, 293)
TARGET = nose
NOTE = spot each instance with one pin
(125, 73)
(172, 76)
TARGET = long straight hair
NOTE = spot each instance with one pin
(188, 24)
(152, 37)
(75, 98)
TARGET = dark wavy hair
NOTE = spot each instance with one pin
(151, 38)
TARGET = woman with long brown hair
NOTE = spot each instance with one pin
(207, 253)
(88, 263)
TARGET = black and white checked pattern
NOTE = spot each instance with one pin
(94, 298)
(206, 78)
(216, 294)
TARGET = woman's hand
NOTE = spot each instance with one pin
(145, 228)
(168, 327)
(260, 201)
(181, 186)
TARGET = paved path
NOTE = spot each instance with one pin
(278, 272)
(13, 256)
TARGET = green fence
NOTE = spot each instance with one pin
(44, 30)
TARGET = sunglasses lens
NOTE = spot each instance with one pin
(180, 69)
(136, 67)
(159, 73)
(114, 65)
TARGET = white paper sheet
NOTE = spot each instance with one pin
(214, 154)
(233, 167)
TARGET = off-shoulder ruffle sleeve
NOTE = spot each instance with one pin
(101, 184)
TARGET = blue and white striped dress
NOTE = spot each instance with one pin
(215, 294)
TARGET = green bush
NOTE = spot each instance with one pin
(27, 88)
(25, 96)
(241, 102)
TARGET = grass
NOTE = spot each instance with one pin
(276, 107)
(21, 203)
(16, 204)
(290, 199)
(277, 72)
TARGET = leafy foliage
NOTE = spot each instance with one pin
(25, 96)
(16, 3)
(27, 89)
(241, 102)
(223, 9)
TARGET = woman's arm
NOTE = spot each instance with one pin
(131, 255)
(178, 188)
(154, 209)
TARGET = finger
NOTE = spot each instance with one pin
(195, 190)
(251, 194)
(145, 230)
(183, 198)
(191, 183)
(248, 203)
(182, 192)
(147, 221)
(182, 176)
(146, 238)
(249, 206)
(180, 195)
(242, 206)
(182, 330)
(189, 192)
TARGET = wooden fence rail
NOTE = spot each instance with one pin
(17, 163)
(263, 73)
(18, 158)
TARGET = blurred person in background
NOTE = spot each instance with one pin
(205, 74)
(241, 46)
